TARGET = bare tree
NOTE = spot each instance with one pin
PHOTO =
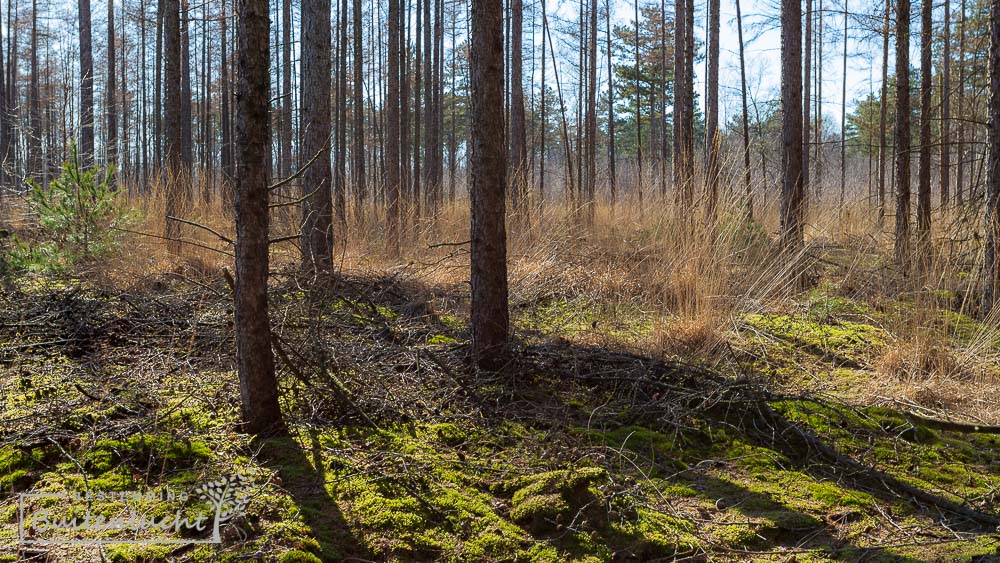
(926, 113)
(86, 85)
(111, 95)
(883, 111)
(747, 186)
(392, 128)
(490, 314)
(713, 138)
(791, 124)
(358, 150)
(902, 133)
(991, 258)
(255, 361)
(518, 142)
(946, 107)
(172, 118)
(317, 205)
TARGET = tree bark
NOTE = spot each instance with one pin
(991, 258)
(791, 126)
(392, 129)
(747, 186)
(490, 315)
(902, 133)
(86, 86)
(112, 97)
(358, 150)
(713, 139)
(926, 114)
(317, 206)
(883, 112)
(255, 361)
(946, 107)
(518, 142)
(172, 116)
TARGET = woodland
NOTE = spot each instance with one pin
(500, 280)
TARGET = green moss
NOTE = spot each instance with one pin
(842, 341)
(141, 448)
(440, 339)
(299, 556)
(736, 535)
(134, 553)
(544, 501)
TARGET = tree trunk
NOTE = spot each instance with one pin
(791, 124)
(960, 172)
(358, 150)
(317, 206)
(228, 171)
(883, 112)
(86, 86)
(926, 112)
(843, 116)
(747, 187)
(807, 101)
(991, 258)
(612, 157)
(946, 107)
(713, 138)
(591, 118)
(286, 88)
(392, 128)
(255, 362)
(112, 96)
(172, 116)
(518, 142)
(902, 133)
(490, 315)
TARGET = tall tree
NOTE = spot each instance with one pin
(5, 126)
(254, 359)
(358, 105)
(946, 107)
(518, 133)
(286, 88)
(187, 134)
(991, 257)
(791, 124)
(86, 85)
(902, 133)
(173, 132)
(713, 138)
(317, 204)
(843, 115)
(112, 96)
(392, 130)
(612, 157)
(883, 112)
(589, 191)
(228, 165)
(807, 99)
(926, 114)
(747, 186)
(490, 314)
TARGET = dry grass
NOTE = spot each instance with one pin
(694, 279)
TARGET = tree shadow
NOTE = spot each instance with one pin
(303, 476)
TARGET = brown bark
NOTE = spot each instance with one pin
(112, 95)
(902, 133)
(255, 361)
(172, 118)
(317, 207)
(926, 114)
(713, 138)
(86, 86)
(392, 148)
(518, 140)
(946, 107)
(490, 315)
(991, 258)
(791, 125)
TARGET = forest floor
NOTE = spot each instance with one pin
(798, 432)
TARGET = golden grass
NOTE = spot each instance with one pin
(695, 279)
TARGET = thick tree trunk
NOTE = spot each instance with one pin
(317, 206)
(86, 86)
(490, 315)
(255, 361)
(791, 124)
(902, 133)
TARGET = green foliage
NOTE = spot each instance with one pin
(77, 212)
